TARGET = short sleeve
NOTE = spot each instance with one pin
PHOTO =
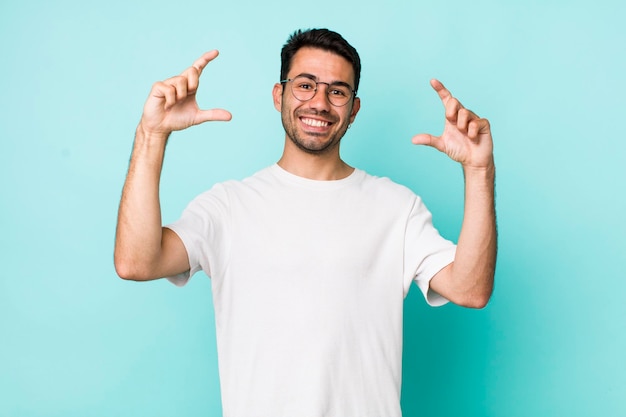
(426, 252)
(203, 229)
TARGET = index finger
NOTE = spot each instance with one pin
(202, 62)
(442, 91)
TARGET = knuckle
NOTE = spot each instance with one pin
(159, 85)
(179, 79)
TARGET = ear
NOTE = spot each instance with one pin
(356, 106)
(277, 94)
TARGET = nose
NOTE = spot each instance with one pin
(320, 99)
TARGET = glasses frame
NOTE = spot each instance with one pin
(315, 90)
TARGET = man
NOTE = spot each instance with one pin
(310, 259)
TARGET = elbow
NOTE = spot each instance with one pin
(129, 270)
(125, 272)
(478, 300)
(470, 300)
(478, 295)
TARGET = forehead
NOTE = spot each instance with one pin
(325, 65)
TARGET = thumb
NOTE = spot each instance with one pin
(424, 139)
(220, 115)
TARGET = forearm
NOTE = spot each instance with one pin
(474, 263)
(139, 229)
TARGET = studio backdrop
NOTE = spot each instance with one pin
(77, 341)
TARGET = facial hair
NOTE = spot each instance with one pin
(310, 146)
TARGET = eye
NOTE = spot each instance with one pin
(338, 91)
(305, 85)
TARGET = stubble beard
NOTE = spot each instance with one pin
(310, 146)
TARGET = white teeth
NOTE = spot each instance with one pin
(314, 123)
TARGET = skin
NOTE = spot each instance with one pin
(313, 151)
(467, 139)
(144, 250)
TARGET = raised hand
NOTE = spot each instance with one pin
(466, 137)
(172, 103)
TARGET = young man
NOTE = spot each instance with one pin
(310, 259)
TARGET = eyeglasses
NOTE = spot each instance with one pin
(304, 88)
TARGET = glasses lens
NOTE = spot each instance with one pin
(339, 94)
(303, 88)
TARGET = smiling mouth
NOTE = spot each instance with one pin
(314, 122)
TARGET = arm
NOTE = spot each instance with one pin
(144, 250)
(466, 138)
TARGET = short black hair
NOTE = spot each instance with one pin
(324, 39)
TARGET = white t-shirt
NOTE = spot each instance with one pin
(308, 280)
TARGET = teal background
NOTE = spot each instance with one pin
(77, 341)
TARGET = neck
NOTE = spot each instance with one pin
(322, 167)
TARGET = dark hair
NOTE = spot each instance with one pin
(324, 39)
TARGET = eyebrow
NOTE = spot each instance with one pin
(314, 78)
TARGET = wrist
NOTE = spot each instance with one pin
(488, 167)
(483, 172)
(151, 136)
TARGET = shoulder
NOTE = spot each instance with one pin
(225, 192)
(233, 185)
(385, 186)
